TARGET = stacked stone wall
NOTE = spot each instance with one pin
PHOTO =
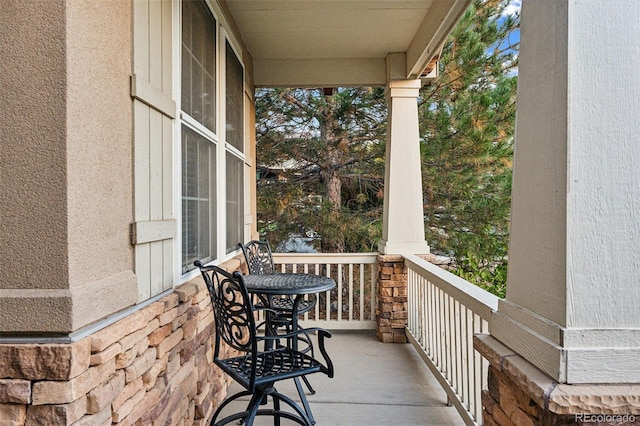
(153, 367)
(391, 313)
(519, 394)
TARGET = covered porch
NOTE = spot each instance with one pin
(375, 384)
(565, 340)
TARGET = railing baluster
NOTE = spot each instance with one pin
(449, 351)
(477, 326)
(372, 291)
(432, 320)
(456, 346)
(346, 317)
(441, 334)
(420, 319)
(329, 297)
(462, 352)
(350, 305)
(361, 286)
(339, 289)
(447, 313)
(470, 368)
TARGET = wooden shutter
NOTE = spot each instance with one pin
(154, 230)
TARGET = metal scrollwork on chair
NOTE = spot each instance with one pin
(259, 260)
(230, 300)
(256, 370)
(258, 256)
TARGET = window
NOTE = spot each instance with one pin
(234, 131)
(198, 104)
(234, 105)
(198, 199)
(212, 153)
(235, 202)
(199, 63)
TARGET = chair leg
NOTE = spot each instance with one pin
(252, 408)
(305, 402)
(302, 418)
(246, 417)
(306, 382)
(276, 410)
(225, 403)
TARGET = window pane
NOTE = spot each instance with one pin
(235, 202)
(198, 62)
(198, 199)
(235, 121)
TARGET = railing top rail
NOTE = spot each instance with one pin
(467, 293)
(325, 257)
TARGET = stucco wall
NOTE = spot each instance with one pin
(33, 228)
(99, 159)
(66, 172)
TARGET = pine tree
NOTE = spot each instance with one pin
(326, 148)
(322, 154)
(467, 119)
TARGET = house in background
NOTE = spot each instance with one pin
(128, 152)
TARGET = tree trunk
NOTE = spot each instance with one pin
(333, 186)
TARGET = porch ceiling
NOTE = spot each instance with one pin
(330, 43)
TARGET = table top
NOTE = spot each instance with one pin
(283, 283)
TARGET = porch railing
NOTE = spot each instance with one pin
(351, 305)
(445, 311)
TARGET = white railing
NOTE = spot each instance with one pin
(352, 304)
(445, 311)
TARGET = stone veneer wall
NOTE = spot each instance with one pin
(391, 313)
(153, 367)
(519, 394)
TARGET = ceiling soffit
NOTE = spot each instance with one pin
(331, 43)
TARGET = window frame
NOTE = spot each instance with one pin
(218, 138)
(229, 148)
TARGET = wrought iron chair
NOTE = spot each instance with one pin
(259, 260)
(256, 370)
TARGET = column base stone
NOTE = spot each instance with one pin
(520, 394)
(391, 311)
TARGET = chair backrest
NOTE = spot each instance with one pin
(232, 308)
(258, 256)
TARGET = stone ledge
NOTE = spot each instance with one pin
(558, 398)
(45, 361)
(391, 258)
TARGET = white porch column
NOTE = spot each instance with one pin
(403, 221)
(573, 294)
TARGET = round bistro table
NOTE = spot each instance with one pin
(266, 286)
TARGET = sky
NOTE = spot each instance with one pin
(513, 7)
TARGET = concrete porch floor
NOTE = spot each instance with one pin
(375, 384)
